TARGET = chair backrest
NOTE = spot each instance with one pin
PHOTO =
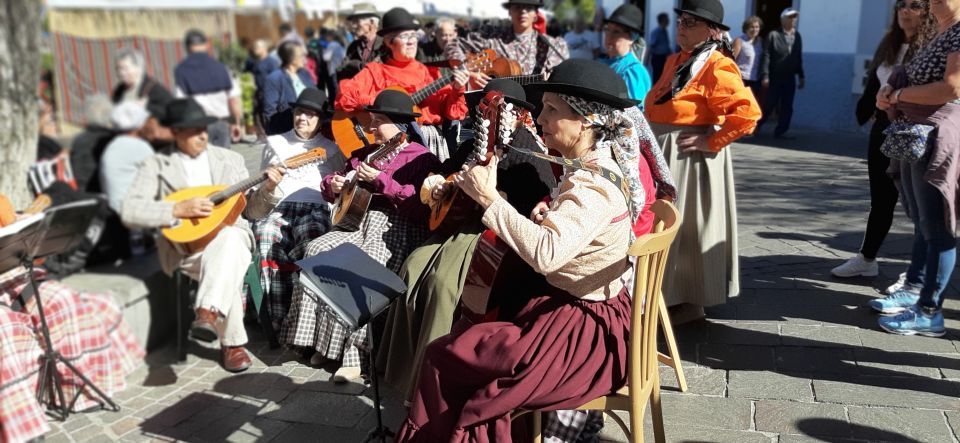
(651, 252)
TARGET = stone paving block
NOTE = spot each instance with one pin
(756, 358)
(790, 417)
(816, 360)
(709, 412)
(126, 425)
(700, 380)
(338, 410)
(808, 297)
(901, 364)
(258, 430)
(762, 334)
(953, 419)
(890, 391)
(877, 339)
(792, 438)
(769, 385)
(889, 424)
(771, 313)
(825, 336)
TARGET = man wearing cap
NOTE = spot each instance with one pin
(535, 52)
(220, 268)
(125, 153)
(366, 46)
(781, 70)
(207, 81)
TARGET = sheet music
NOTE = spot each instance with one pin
(20, 225)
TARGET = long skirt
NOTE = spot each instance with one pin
(87, 328)
(388, 238)
(558, 353)
(281, 237)
(434, 274)
(704, 268)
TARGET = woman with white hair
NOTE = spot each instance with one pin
(136, 85)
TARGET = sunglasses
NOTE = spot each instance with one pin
(688, 22)
(407, 36)
(914, 5)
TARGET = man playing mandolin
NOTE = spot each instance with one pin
(402, 70)
(221, 265)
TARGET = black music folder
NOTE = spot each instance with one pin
(353, 284)
(55, 230)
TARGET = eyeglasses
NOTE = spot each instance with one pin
(688, 22)
(914, 5)
(407, 36)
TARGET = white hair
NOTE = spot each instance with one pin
(445, 21)
(97, 109)
(133, 56)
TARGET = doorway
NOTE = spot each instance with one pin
(769, 11)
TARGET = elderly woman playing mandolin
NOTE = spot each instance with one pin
(404, 71)
(393, 225)
(568, 343)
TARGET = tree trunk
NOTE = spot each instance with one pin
(19, 111)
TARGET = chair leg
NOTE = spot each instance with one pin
(637, 407)
(673, 359)
(537, 427)
(181, 301)
(656, 413)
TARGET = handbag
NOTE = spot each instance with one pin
(906, 141)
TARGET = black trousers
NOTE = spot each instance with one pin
(883, 192)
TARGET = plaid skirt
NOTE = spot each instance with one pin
(87, 329)
(387, 237)
(435, 141)
(281, 238)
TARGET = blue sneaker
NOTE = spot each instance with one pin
(914, 322)
(897, 302)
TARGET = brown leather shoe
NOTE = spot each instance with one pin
(203, 328)
(235, 359)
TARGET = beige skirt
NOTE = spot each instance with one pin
(703, 268)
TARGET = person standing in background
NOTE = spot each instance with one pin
(284, 86)
(619, 33)
(660, 45)
(747, 50)
(781, 71)
(582, 42)
(207, 81)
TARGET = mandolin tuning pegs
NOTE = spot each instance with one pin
(509, 107)
(486, 123)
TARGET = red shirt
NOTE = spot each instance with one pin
(645, 221)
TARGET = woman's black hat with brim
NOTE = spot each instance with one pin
(589, 80)
(394, 104)
(628, 16)
(186, 113)
(313, 99)
(397, 20)
(535, 3)
(709, 10)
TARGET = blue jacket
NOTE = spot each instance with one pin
(278, 94)
(634, 74)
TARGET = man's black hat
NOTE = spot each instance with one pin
(186, 113)
(587, 79)
(512, 92)
(537, 3)
(709, 10)
(394, 104)
(628, 16)
(311, 98)
(396, 20)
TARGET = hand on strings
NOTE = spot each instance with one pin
(367, 173)
(691, 143)
(336, 184)
(480, 182)
(478, 80)
(460, 79)
(197, 207)
(439, 190)
(274, 175)
(539, 212)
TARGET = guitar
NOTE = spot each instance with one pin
(354, 199)
(496, 117)
(350, 129)
(191, 235)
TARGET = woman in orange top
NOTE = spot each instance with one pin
(399, 34)
(697, 108)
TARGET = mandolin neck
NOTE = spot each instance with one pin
(525, 79)
(242, 186)
(438, 84)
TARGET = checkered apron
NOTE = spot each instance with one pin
(384, 235)
(21, 417)
(572, 426)
(281, 238)
(86, 328)
(435, 141)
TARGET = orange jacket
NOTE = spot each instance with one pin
(715, 96)
(361, 90)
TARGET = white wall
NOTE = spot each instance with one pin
(830, 26)
(734, 13)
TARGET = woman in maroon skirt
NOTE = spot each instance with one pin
(567, 344)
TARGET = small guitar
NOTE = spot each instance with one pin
(191, 235)
(496, 117)
(351, 129)
(354, 198)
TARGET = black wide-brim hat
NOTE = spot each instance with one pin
(589, 80)
(311, 98)
(537, 3)
(709, 10)
(512, 92)
(396, 20)
(394, 104)
(628, 16)
(186, 113)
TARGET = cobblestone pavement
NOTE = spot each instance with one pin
(797, 357)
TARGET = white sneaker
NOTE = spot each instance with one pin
(857, 266)
(898, 285)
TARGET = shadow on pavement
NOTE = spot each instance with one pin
(816, 426)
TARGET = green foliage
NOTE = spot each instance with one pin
(248, 89)
(568, 10)
(232, 55)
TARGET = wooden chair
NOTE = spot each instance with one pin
(643, 383)
(672, 357)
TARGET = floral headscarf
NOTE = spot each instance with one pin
(627, 135)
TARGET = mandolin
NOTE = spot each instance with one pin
(354, 199)
(351, 129)
(191, 235)
(496, 122)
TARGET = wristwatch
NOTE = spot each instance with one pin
(896, 94)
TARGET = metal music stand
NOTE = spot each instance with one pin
(61, 229)
(358, 289)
